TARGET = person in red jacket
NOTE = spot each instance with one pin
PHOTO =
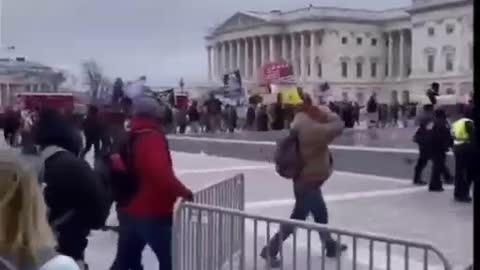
(147, 218)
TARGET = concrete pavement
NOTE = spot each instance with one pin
(364, 203)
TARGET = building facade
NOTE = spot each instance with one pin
(18, 75)
(395, 53)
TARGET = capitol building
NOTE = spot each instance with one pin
(395, 53)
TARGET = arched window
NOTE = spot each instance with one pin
(430, 56)
(344, 66)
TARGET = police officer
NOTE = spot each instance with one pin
(464, 150)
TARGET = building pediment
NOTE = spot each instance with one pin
(238, 21)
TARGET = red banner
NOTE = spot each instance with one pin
(274, 72)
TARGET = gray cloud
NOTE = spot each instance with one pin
(162, 39)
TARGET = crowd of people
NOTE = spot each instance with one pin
(133, 170)
(435, 137)
(213, 116)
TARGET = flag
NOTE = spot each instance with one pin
(135, 89)
(167, 96)
(290, 94)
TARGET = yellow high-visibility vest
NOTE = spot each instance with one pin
(459, 131)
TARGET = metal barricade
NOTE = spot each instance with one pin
(205, 249)
(229, 194)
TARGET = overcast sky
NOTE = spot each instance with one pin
(163, 39)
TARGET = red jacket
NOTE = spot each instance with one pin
(158, 187)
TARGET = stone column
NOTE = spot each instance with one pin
(218, 60)
(246, 64)
(401, 62)
(263, 51)
(293, 54)
(284, 47)
(239, 56)
(214, 61)
(209, 57)
(302, 56)
(390, 54)
(313, 69)
(272, 48)
(231, 55)
(8, 95)
(224, 59)
(254, 57)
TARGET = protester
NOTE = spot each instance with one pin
(372, 111)
(117, 92)
(92, 129)
(26, 239)
(433, 93)
(394, 113)
(348, 114)
(169, 120)
(251, 117)
(463, 131)
(231, 118)
(278, 114)
(11, 126)
(194, 117)
(73, 192)
(317, 128)
(441, 143)
(356, 113)
(28, 147)
(146, 219)
(181, 119)
(423, 138)
(214, 113)
(262, 118)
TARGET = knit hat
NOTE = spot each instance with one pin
(148, 107)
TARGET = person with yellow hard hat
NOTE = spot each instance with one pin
(464, 151)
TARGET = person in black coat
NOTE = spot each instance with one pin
(262, 119)
(73, 192)
(278, 114)
(11, 125)
(441, 143)
(92, 130)
(423, 140)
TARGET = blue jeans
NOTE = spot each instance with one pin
(307, 201)
(137, 232)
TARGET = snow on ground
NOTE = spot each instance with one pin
(363, 203)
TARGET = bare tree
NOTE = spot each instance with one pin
(93, 77)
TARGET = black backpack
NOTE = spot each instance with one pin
(123, 184)
(288, 159)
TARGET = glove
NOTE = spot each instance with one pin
(189, 196)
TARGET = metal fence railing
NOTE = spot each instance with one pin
(203, 238)
(229, 193)
(196, 248)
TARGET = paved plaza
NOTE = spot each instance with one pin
(364, 203)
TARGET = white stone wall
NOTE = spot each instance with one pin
(403, 44)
